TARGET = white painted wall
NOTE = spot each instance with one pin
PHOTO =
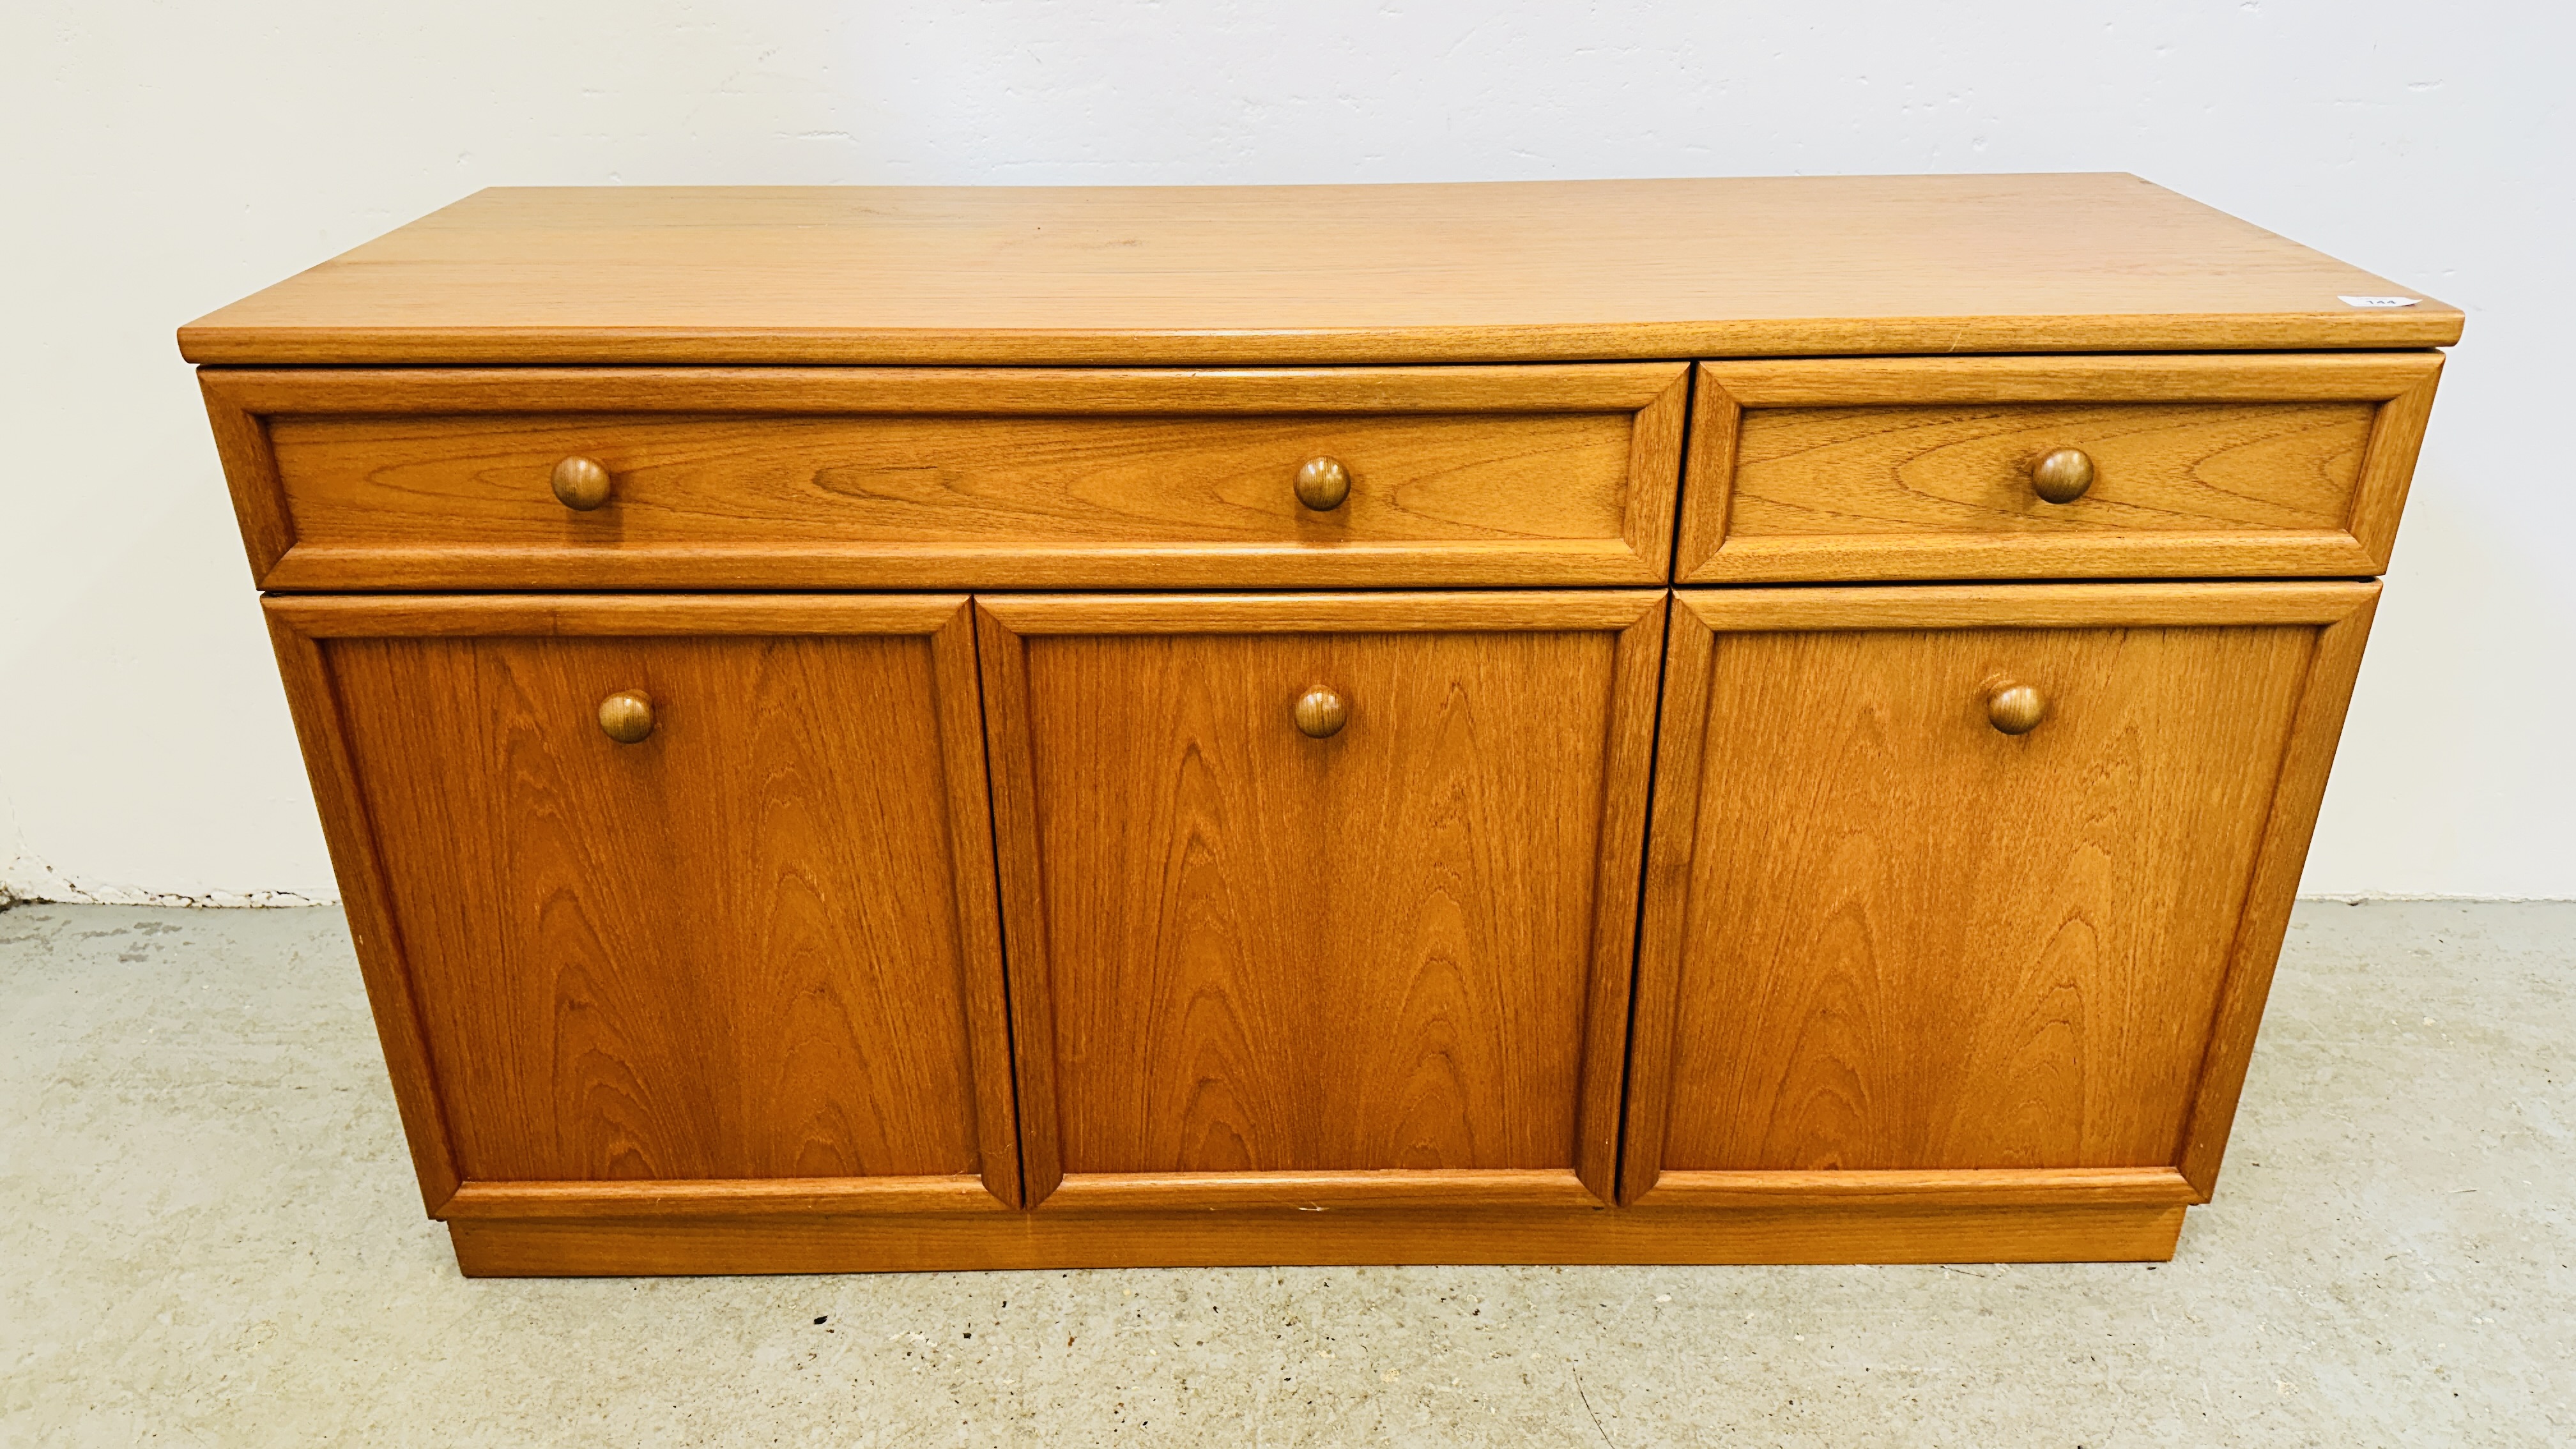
(162, 159)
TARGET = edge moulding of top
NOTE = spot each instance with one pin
(1314, 275)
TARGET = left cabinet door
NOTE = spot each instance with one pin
(668, 906)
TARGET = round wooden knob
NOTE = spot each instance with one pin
(2062, 476)
(581, 484)
(1321, 713)
(626, 716)
(2016, 709)
(1322, 484)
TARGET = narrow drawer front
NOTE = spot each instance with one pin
(881, 478)
(2052, 467)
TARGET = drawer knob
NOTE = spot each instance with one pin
(1322, 484)
(2015, 709)
(2062, 476)
(1321, 713)
(626, 716)
(581, 484)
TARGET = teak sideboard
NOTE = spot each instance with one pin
(1674, 721)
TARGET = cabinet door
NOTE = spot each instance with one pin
(1264, 953)
(1973, 890)
(743, 958)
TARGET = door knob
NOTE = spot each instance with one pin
(1321, 713)
(2015, 709)
(1322, 484)
(581, 484)
(2062, 476)
(626, 716)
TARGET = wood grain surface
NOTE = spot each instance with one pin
(1401, 947)
(903, 478)
(1905, 1188)
(2163, 467)
(1885, 984)
(758, 944)
(2274, 888)
(1427, 1189)
(1883, 935)
(1816, 1232)
(2030, 606)
(1275, 952)
(1524, 271)
(367, 900)
(668, 1200)
(610, 616)
(1922, 468)
(1359, 612)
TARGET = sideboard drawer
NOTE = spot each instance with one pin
(2039, 467)
(891, 478)
(1320, 899)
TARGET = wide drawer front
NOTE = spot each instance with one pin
(2041, 467)
(952, 478)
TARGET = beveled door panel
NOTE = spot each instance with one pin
(691, 898)
(1970, 880)
(1320, 898)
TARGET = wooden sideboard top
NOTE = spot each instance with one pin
(1228, 275)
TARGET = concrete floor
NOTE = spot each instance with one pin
(208, 1235)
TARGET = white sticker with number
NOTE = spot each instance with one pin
(2380, 301)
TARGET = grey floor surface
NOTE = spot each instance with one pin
(209, 1235)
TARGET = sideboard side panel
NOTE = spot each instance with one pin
(2292, 823)
(367, 900)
